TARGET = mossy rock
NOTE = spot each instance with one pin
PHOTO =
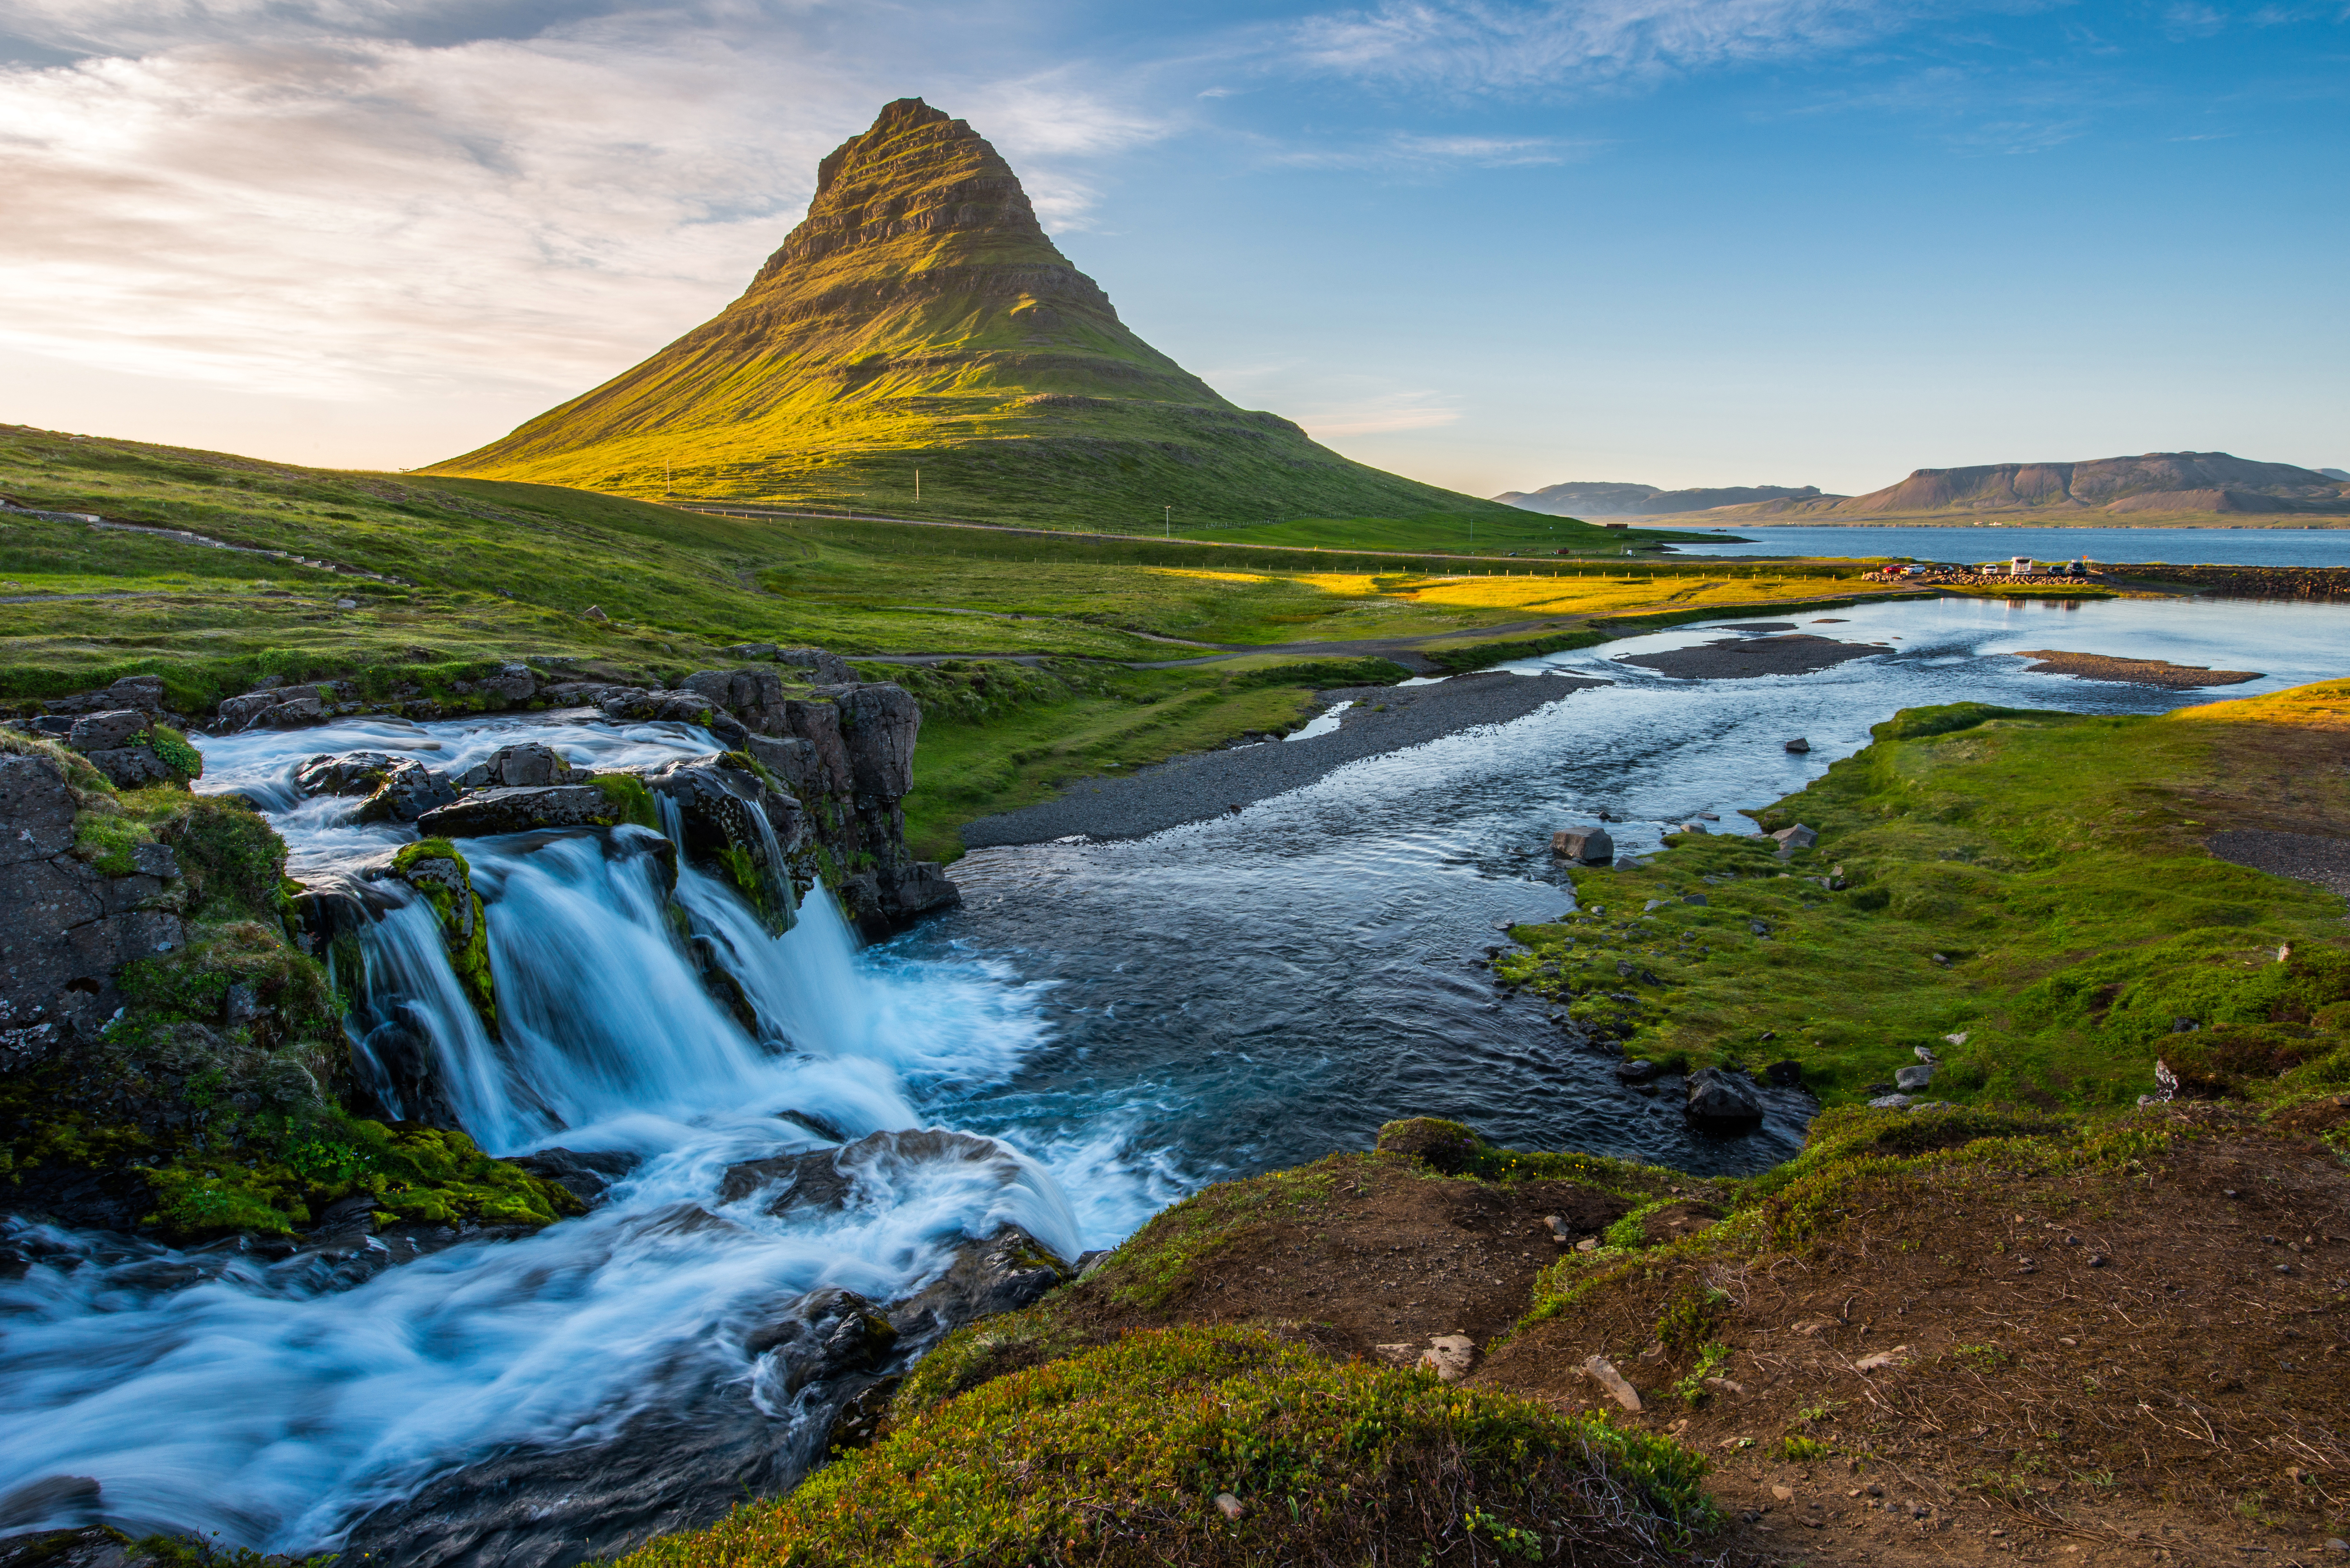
(1442, 1145)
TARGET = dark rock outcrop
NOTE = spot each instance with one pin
(396, 789)
(737, 827)
(1721, 1101)
(525, 765)
(587, 1177)
(144, 692)
(67, 926)
(520, 810)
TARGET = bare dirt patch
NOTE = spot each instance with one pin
(2149, 1361)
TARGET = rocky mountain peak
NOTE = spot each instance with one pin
(917, 173)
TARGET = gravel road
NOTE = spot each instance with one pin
(2304, 856)
(1194, 788)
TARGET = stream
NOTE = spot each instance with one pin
(1127, 1020)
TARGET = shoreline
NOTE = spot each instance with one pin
(1206, 785)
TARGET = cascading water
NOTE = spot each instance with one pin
(209, 1391)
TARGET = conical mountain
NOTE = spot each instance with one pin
(920, 316)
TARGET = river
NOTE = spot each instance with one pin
(2313, 546)
(1129, 1020)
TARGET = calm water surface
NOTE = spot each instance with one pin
(2327, 546)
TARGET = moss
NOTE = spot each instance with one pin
(436, 869)
(627, 799)
(231, 859)
(170, 747)
(106, 839)
(1116, 1454)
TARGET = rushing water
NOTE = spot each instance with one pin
(1129, 1019)
(2316, 545)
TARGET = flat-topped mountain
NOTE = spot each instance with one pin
(1578, 498)
(919, 318)
(2156, 482)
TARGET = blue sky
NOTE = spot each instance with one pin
(1493, 246)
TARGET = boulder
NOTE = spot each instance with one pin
(1637, 1070)
(344, 772)
(920, 888)
(1792, 839)
(812, 1179)
(1720, 1101)
(520, 810)
(525, 765)
(1910, 1079)
(104, 731)
(144, 692)
(752, 650)
(130, 767)
(1584, 846)
(1449, 1357)
(260, 705)
(1799, 745)
(675, 708)
(821, 1337)
(587, 1177)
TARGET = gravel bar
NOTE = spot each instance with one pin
(2301, 856)
(1209, 783)
(1743, 658)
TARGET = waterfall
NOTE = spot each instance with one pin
(208, 1390)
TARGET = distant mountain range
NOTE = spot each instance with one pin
(2159, 482)
(1605, 500)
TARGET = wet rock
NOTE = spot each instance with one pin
(1799, 745)
(398, 789)
(494, 811)
(446, 882)
(1587, 846)
(57, 1503)
(144, 692)
(588, 1176)
(813, 1179)
(1638, 1070)
(525, 765)
(675, 708)
(907, 891)
(260, 706)
(736, 826)
(344, 772)
(65, 926)
(1723, 1102)
(704, 1444)
(824, 1335)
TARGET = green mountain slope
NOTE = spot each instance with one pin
(919, 318)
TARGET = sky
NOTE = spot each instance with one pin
(1490, 243)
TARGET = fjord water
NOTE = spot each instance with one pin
(1130, 1019)
(2299, 546)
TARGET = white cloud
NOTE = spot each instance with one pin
(320, 207)
(1474, 45)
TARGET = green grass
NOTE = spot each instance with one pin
(1118, 1455)
(2052, 860)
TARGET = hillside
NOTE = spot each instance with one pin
(919, 318)
(1577, 498)
(2157, 487)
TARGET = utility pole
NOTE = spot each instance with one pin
(918, 487)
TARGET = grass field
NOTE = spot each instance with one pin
(468, 572)
(2024, 894)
